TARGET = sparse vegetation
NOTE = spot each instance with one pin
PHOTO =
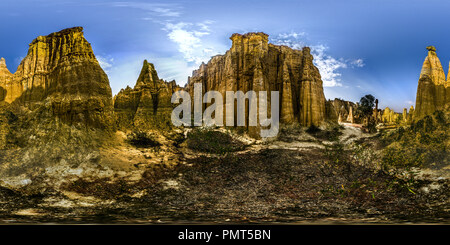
(212, 141)
(423, 144)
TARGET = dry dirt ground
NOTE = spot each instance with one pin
(297, 178)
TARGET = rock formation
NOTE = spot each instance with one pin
(148, 105)
(390, 116)
(342, 109)
(61, 72)
(411, 114)
(5, 78)
(433, 91)
(254, 64)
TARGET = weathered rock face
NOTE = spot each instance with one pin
(433, 91)
(61, 72)
(350, 117)
(342, 109)
(5, 78)
(254, 64)
(148, 105)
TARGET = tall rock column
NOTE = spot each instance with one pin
(432, 88)
(312, 98)
(148, 105)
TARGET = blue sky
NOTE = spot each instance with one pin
(360, 47)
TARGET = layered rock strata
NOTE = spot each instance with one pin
(147, 105)
(433, 91)
(61, 72)
(341, 109)
(254, 64)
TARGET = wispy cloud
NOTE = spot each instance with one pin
(105, 62)
(188, 37)
(330, 67)
(158, 9)
(358, 63)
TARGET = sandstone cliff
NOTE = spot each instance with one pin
(61, 72)
(147, 105)
(433, 91)
(254, 64)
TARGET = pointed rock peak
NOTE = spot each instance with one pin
(3, 68)
(148, 78)
(431, 48)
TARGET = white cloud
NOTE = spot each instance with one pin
(188, 37)
(329, 67)
(191, 38)
(290, 39)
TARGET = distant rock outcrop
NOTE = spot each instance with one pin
(433, 91)
(342, 109)
(148, 105)
(411, 114)
(254, 64)
(5, 78)
(390, 116)
(61, 72)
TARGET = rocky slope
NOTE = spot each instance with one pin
(433, 91)
(254, 64)
(147, 105)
